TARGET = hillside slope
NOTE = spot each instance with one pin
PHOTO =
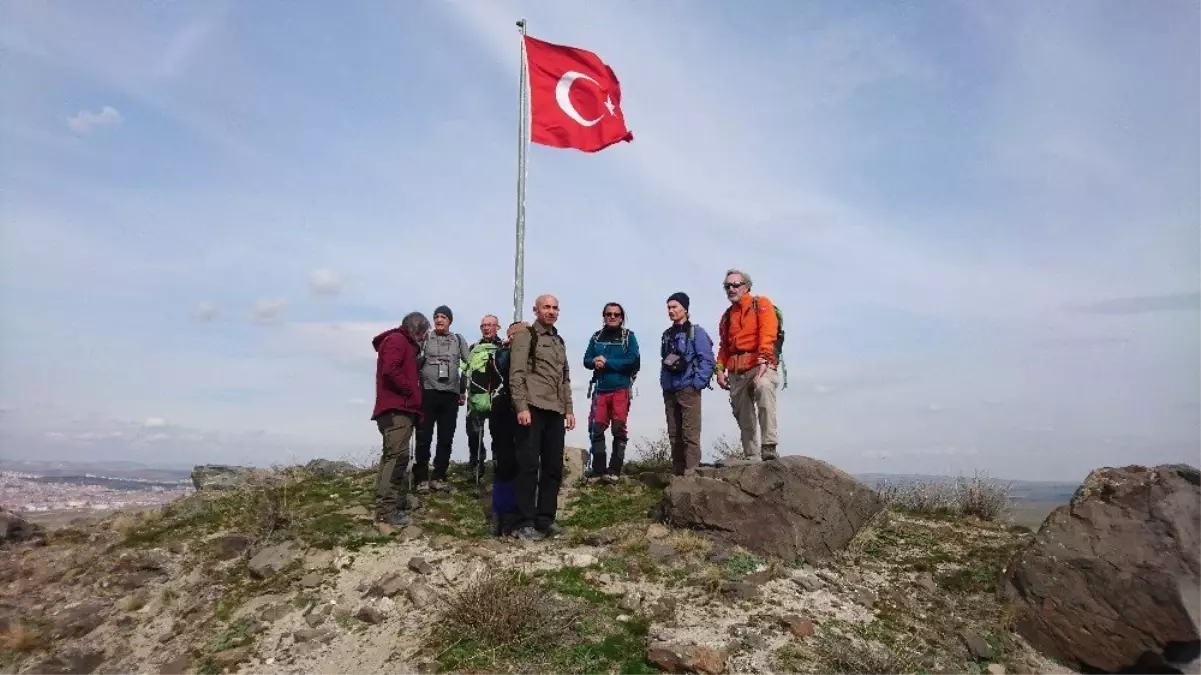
(288, 576)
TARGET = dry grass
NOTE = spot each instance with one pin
(841, 653)
(873, 658)
(19, 637)
(504, 609)
(726, 449)
(979, 496)
(688, 541)
(654, 451)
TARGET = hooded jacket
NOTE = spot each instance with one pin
(397, 379)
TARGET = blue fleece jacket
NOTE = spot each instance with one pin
(697, 353)
(620, 361)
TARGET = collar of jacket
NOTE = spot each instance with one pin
(545, 330)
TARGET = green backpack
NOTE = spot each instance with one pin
(484, 381)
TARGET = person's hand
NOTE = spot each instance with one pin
(523, 418)
(462, 399)
(723, 379)
(759, 373)
(599, 362)
(570, 421)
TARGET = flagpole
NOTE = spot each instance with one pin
(523, 128)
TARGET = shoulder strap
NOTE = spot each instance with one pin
(724, 329)
(533, 355)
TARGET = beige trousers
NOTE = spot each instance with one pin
(755, 404)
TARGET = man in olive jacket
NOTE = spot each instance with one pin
(541, 388)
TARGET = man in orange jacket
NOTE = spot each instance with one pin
(747, 365)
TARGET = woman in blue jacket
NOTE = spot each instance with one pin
(687, 365)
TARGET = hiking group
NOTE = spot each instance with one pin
(519, 388)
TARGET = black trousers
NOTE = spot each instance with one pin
(439, 408)
(539, 468)
(502, 423)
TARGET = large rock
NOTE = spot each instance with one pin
(792, 507)
(15, 529)
(325, 468)
(220, 477)
(274, 559)
(1100, 587)
(575, 463)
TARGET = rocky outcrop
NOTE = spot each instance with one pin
(220, 477)
(14, 529)
(329, 469)
(794, 507)
(1101, 585)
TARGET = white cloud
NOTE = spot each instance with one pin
(154, 422)
(325, 282)
(267, 311)
(84, 120)
(206, 311)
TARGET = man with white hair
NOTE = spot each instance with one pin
(748, 360)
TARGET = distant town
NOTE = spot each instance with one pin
(36, 488)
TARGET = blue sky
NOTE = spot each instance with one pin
(982, 223)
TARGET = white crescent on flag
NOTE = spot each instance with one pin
(563, 96)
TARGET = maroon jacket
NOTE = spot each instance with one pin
(397, 377)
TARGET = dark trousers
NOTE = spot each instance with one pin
(476, 449)
(440, 408)
(539, 468)
(396, 428)
(502, 422)
(683, 410)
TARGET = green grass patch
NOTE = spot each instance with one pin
(741, 564)
(289, 504)
(554, 621)
(601, 506)
(571, 581)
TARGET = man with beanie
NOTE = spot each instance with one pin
(444, 389)
(687, 365)
(612, 355)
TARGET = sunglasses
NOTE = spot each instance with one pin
(616, 315)
(733, 284)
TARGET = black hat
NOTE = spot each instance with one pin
(680, 297)
(443, 309)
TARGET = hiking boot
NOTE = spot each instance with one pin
(422, 488)
(528, 534)
(439, 486)
(553, 531)
(610, 478)
(769, 453)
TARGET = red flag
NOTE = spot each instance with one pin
(575, 99)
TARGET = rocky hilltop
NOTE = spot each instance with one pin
(789, 566)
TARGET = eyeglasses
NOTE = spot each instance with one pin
(615, 315)
(733, 284)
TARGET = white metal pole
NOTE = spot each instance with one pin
(523, 130)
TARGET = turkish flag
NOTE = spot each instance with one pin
(575, 99)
